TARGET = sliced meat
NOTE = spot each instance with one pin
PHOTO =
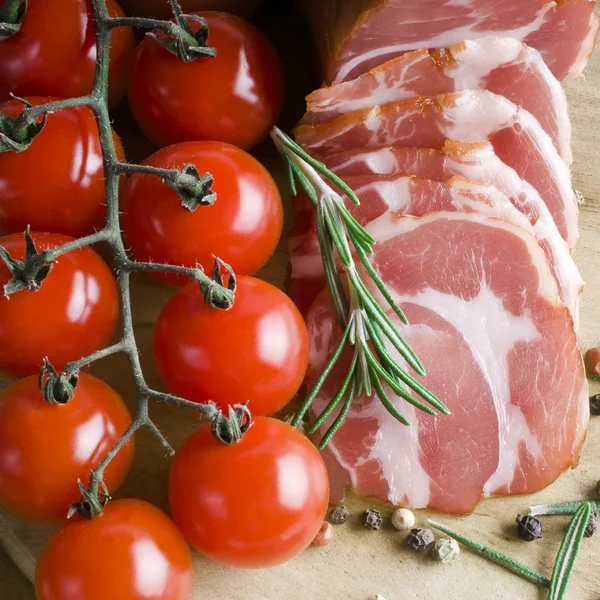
(355, 36)
(500, 351)
(407, 195)
(478, 162)
(426, 122)
(504, 66)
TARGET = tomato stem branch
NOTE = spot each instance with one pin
(194, 189)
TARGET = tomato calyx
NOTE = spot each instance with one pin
(183, 41)
(11, 17)
(56, 388)
(17, 133)
(194, 190)
(91, 505)
(230, 430)
(27, 274)
(214, 291)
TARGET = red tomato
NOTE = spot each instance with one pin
(74, 313)
(256, 351)
(132, 552)
(256, 503)
(242, 227)
(46, 448)
(161, 9)
(235, 97)
(50, 58)
(65, 161)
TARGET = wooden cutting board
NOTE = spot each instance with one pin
(360, 564)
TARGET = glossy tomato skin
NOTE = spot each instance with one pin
(57, 184)
(257, 503)
(235, 97)
(257, 351)
(45, 448)
(132, 552)
(242, 227)
(74, 313)
(54, 53)
(161, 9)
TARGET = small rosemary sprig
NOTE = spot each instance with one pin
(367, 328)
(565, 559)
(562, 508)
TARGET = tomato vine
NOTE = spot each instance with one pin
(218, 288)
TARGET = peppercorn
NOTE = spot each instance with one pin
(372, 519)
(592, 525)
(420, 539)
(595, 405)
(446, 550)
(339, 515)
(529, 528)
(592, 362)
(403, 519)
(598, 488)
(325, 535)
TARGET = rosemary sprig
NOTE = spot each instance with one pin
(567, 554)
(493, 555)
(368, 330)
(563, 508)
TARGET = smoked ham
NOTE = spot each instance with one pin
(504, 66)
(380, 183)
(427, 122)
(355, 36)
(500, 351)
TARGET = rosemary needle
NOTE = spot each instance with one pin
(562, 508)
(367, 328)
(493, 555)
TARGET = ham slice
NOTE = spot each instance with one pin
(478, 162)
(355, 36)
(504, 66)
(500, 351)
(427, 122)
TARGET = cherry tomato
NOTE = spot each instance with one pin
(74, 312)
(242, 227)
(50, 57)
(57, 184)
(235, 97)
(46, 448)
(161, 9)
(132, 552)
(256, 503)
(256, 351)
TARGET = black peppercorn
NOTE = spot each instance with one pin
(529, 528)
(598, 488)
(592, 525)
(339, 515)
(421, 540)
(595, 405)
(372, 519)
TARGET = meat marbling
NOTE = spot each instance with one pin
(500, 351)
(504, 66)
(355, 36)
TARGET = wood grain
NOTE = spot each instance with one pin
(360, 564)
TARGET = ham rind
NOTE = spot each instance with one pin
(354, 36)
(478, 162)
(428, 121)
(407, 195)
(500, 351)
(504, 66)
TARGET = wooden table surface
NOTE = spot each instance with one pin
(360, 564)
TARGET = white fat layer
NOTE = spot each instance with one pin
(395, 193)
(378, 162)
(477, 58)
(444, 40)
(491, 332)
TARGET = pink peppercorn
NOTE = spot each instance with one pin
(325, 535)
